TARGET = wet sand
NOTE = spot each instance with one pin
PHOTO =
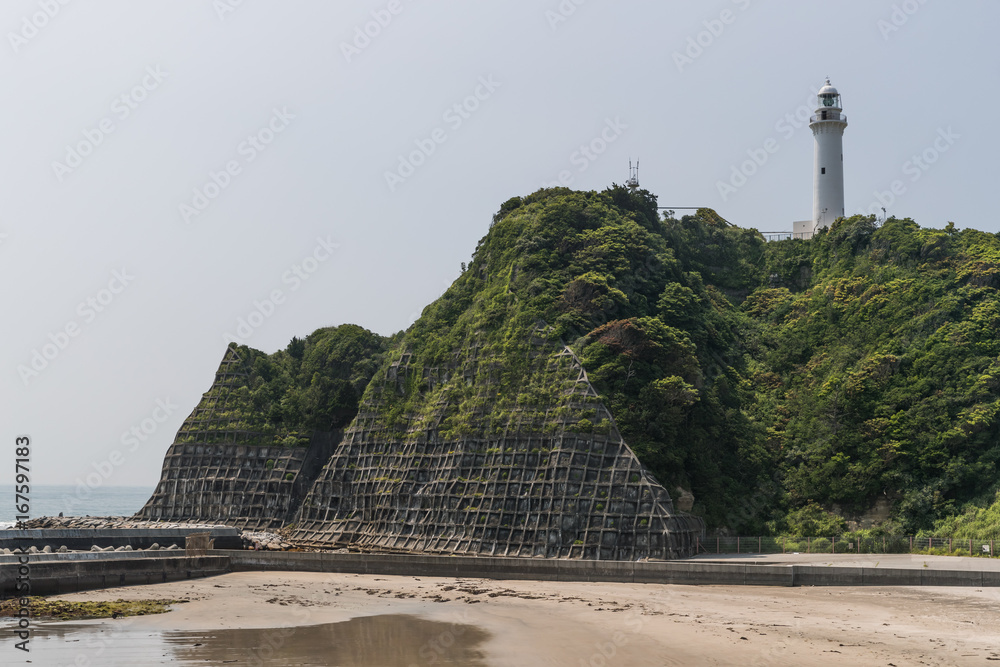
(519, 623)
(390, 640)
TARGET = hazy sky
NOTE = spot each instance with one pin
(171, 167)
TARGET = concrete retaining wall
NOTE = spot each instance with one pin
(93, 555)
(138, 538)
(51, 577)
(65, 573)
(675, 572)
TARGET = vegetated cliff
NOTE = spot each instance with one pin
(252, 447)
(503, 448)
(877, 372)
(784, 386)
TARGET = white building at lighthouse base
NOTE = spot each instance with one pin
(802, 229)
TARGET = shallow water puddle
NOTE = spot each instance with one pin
(371, 641)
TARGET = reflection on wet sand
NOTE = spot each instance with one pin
(89, 644)
(371, 641)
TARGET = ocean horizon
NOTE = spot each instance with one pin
(72, 500)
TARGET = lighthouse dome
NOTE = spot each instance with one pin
(828, 96)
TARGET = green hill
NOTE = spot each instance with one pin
(806, 386)
(877, 371)
(280, 399)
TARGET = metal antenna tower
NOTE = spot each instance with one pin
(633, 176)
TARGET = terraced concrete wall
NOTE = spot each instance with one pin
(552, 478)
(483, 456)
(218, 471)
(231, 484)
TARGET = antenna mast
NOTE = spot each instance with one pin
(633, 176)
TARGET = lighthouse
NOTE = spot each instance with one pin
(828, 126)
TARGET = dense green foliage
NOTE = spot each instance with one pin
(976, 521)
(314, 384)
(792, 386)
(878, 371)
(660, 343)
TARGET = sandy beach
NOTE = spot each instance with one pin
(516, 623)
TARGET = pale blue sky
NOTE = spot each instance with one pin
(300, 130)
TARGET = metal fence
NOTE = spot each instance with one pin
(848, 545)
(785, 236)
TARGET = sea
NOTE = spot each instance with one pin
(74, 501)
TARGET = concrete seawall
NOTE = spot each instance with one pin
(675, 572)
(138, 538)
(67, 574)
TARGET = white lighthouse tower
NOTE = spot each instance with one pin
(828, 168)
